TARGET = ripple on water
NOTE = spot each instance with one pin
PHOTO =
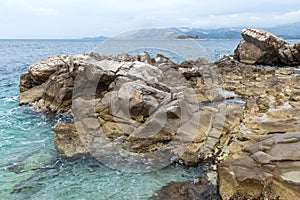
(89, 180)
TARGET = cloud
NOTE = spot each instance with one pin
(77, 18)
(254, 19)
(44, 11)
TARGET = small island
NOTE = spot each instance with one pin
(188, 37)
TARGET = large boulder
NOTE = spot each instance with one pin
(261, 47)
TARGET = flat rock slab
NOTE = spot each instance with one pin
(268, 166)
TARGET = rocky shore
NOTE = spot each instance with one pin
(136, 110)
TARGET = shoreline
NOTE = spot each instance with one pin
(267, 92)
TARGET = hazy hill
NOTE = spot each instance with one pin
(95, 38)
(288, 31)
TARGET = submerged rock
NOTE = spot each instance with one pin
(202, 190)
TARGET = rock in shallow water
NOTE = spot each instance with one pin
(202, 190)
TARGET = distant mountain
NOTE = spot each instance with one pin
(95, 38)
(176, 33)
(288, 31)
(180, 33)
(149, 34)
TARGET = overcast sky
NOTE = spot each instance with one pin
(78, 18)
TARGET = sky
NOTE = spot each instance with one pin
(81, 18)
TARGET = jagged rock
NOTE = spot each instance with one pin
(161, 59)
(245, 80)
(137, 104)
(50, 82)
(261, 47)
(265, 167)
(40, 72)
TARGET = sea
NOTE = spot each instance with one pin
(30, 167)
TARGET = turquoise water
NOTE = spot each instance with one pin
(30, 168)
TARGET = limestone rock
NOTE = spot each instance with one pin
(262, 169)
(288, 71)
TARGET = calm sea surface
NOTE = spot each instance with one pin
(30, 168)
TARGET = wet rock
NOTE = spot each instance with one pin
(260, 168)
(262, 120)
